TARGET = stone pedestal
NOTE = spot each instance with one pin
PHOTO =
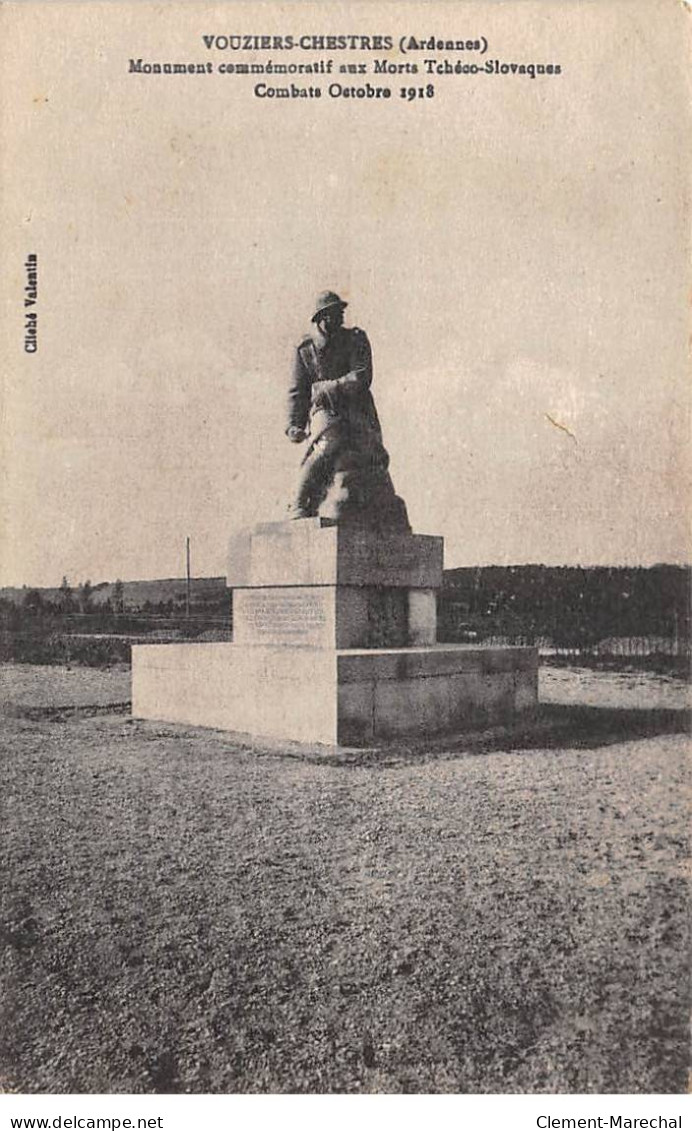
(313, 582)
(334, 630)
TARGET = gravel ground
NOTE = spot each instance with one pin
(183, 912)
(32, 688)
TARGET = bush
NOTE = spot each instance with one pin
(58, 648)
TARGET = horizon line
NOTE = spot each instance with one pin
(447, 569)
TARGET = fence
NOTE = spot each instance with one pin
(102, 637)
(655, 651)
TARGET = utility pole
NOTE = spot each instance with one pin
(187, 587)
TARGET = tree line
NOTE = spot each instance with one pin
(569, 606)
(96, 624)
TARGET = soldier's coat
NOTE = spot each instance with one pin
(330, 386)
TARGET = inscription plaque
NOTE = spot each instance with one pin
(266, 616)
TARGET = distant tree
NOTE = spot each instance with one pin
(65, 597)
(10, 617)
(85, 597)
(118, 598)
(32, 601)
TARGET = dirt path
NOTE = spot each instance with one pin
(187, 914)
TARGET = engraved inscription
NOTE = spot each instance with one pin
(287, 615)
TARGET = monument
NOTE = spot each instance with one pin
(334, 609)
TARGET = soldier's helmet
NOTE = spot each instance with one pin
(325, 300)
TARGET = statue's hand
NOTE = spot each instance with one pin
(295, 435)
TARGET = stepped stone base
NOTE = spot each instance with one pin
(334, 630)
(355, 697)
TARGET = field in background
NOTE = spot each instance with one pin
(188, 912)
(606, 618)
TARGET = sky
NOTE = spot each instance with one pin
(517, 251)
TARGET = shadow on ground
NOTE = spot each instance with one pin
(553, 726)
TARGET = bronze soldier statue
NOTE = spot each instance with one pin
(330, 405)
